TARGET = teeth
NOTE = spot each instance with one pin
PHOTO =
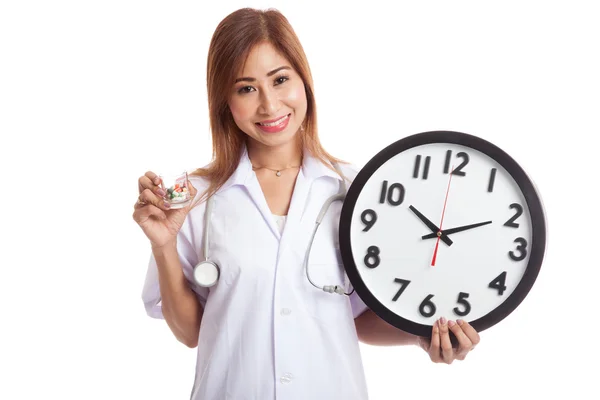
(280, 120)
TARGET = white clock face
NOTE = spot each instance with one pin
(467, 272)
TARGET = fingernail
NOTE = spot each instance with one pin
(160, 192)
(451, 323)
(157, 180)
(443, 321)
(460, 322)
(167, 205)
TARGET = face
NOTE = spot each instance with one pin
(268, 100)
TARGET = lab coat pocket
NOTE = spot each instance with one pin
(325, 268)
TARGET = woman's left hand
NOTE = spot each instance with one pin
(440, 348)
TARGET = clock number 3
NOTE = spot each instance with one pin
(521, 248)
(372, 258)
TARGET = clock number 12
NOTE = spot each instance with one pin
(458, 170)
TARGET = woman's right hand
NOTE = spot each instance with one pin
(159, 223)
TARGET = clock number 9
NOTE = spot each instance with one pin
(372, 258)
(395, 189)
(368, 222)
(522, 248)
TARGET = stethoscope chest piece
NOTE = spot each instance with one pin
(206, 273)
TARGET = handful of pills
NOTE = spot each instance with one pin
(176, 189)
(178, 193)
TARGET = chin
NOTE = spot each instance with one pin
(276, 139)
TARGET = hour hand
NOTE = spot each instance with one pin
(432, 226)
(457, 229)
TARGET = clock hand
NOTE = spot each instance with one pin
(431, 226)
(457, 229)
(440, 233)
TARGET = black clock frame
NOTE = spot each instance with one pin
(538, 221)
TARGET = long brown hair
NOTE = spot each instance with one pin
(231, 43)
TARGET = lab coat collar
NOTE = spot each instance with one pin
(313, 168)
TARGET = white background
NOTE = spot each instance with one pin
(95, 93)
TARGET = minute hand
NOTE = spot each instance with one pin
(457, 229)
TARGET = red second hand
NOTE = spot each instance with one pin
(437, 242)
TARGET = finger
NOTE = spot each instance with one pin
(434, 347)
(193, 190)
(445, 343)
(139, 204)
(464, 343)
(470, 332)
(145, 182)
(148, 197)
(153, 177)
(141, 215)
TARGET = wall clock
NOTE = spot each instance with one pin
(439, 224)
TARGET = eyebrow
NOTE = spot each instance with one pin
(249, 79)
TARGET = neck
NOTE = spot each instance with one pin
(280, 157)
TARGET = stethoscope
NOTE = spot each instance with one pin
(206, 272)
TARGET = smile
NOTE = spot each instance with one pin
(274, 126)
(274, 123)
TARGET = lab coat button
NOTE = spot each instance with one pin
(286, 378)
(286, 311)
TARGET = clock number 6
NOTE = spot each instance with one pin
(427, 308)
(462, 299)
(372, 258)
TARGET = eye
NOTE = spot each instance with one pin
(245, 89)
(279, 80)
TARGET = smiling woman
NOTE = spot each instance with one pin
(268, 102)
(260, 94)
(264, 189)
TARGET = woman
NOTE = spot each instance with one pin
(264, 331)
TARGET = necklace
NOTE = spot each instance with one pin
(277, 171)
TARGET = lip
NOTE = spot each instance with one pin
(276, 128)
(268, 121)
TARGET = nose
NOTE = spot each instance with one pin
(269, 102)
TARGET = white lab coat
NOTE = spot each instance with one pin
(267, 333)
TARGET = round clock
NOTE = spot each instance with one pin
(442, 224)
